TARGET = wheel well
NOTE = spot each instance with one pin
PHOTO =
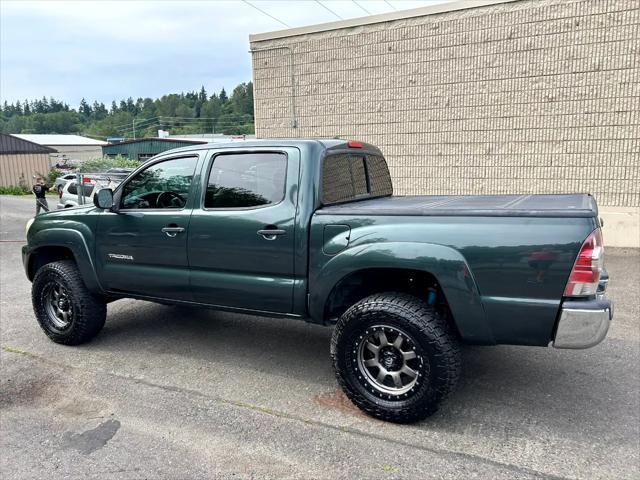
(44, 255)
(361, 284)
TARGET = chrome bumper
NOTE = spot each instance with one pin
(583, 323)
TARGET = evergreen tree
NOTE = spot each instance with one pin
(84, 109)
(186, 112)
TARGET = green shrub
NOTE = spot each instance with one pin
(99, 165)
(15, 190)
(54, 173)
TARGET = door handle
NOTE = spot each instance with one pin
(172, 231)
(271, 234)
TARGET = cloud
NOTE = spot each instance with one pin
(105, 50)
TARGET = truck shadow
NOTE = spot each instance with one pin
(284, 346)
(503, 392)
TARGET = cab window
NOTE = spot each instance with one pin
(163, 185)
(245, 180)
(347, 177)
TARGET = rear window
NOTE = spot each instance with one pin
(379, 177)
(349, 177)
(73, 189)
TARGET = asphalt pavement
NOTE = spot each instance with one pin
(167, 392)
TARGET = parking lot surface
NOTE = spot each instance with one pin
(167, 392)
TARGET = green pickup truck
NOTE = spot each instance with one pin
(311, 230)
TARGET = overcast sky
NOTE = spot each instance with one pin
(106, 50)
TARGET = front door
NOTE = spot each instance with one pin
(142, 246)
(241, 240)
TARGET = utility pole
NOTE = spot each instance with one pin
(134, 128)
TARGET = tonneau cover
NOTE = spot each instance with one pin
(575, 205)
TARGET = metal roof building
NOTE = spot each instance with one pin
(20, 160)
(145, 148)
(74, 148)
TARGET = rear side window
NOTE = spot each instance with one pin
(343, 178)
(348, 177)
(244, 180)
(379, 177)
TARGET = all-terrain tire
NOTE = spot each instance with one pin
(65, 309)
(426, 337)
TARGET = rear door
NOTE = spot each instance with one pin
(241, 240)
(142, 248)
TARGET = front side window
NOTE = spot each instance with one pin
(162, 185)
(244, 180)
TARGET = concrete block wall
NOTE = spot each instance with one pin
(529, 96)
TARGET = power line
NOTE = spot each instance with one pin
(365, 10)
(182, 124)
(144, 120)
(328, 9)
(151, 120)
(267, 14)
(200, 126)
(385, 1)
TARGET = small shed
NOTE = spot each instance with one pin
(145, 148)
(21, 159)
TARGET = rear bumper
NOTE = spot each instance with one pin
(583, 323)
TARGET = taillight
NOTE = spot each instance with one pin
(355, 144)
(585, 275)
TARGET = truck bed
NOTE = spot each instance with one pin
(576, 205)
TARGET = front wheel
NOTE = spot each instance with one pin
(395, 357)
(65, 309)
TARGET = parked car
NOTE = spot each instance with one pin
(68, 195)
(62, 180)
(310, 230)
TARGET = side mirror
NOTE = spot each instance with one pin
(104, 199)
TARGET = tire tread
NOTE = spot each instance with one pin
(91, 310)
(432, 325)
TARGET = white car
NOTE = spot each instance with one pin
(62, 180)
(69, 193)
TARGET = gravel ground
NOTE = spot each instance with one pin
(172, 393)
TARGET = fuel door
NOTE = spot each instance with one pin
(335, 238)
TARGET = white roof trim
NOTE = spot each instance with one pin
(59, 139)
(384, 17)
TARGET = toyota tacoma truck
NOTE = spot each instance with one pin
(311, 230)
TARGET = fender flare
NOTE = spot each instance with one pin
(76, 242)
(446, 264)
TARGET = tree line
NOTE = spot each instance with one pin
(178, 113)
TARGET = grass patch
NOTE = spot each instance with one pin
(15, 190)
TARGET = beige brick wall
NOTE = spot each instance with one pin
(534, 96)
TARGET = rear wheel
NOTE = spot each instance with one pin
(65, 309)
(395, 357)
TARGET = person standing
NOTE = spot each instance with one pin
(40, 190)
